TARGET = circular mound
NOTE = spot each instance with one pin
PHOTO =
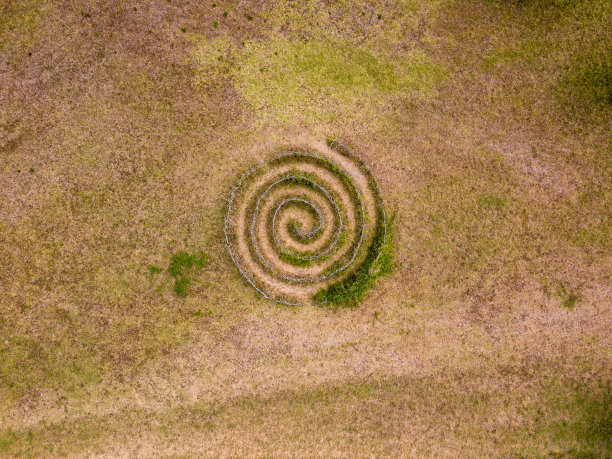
(307, 226)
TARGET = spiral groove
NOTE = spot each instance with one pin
(303, 221)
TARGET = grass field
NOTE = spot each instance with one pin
(125, 328)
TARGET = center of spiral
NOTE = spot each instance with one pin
(305, 220)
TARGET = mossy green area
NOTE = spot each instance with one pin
(320, 80)
(323, 79)
(294, 259)
(182, 267)
(19, 21)
(564, 419)
(378, 262)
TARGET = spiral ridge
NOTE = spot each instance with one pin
(303, 221)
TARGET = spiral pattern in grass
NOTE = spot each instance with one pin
(308, 227)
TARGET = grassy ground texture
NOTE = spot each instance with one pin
(125, 329)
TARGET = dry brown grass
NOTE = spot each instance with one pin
(486, 125)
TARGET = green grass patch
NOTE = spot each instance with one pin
(18, 23)
(182, 267)
(7, 439)
(587, 76)
(526, 53)
(295, 260)
(568, 418)
(378, 262)
(590, 78)
(569, 298)
(326, 79)
(492, 202)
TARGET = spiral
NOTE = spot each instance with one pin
(304, 220)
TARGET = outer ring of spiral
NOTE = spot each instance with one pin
(244, 271)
